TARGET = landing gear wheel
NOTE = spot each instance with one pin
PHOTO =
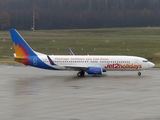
(139, 73)
(80, 74)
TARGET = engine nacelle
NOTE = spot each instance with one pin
(95, 70)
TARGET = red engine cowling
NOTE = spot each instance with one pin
(95, 70)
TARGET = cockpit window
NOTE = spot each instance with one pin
(145, 60)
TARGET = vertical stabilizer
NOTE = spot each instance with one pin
(23, 52)
(22, 49)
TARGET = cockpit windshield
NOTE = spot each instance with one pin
(145, 60)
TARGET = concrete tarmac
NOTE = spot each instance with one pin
(28, 93)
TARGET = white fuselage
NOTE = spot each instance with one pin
(117, 63)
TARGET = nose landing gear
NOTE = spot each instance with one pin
(139, 73)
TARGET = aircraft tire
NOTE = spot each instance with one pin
(139, 73)
(80, 74)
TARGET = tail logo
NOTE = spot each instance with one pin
(22, 53)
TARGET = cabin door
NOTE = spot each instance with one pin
(137, 62)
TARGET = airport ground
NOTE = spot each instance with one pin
(28, 93)
(144, 42)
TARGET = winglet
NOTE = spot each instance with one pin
(51, 62)
(70, 51)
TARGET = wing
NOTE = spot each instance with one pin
(76, 67)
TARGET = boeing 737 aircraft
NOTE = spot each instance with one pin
(93, 65)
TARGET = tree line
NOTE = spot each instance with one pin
(69, 14)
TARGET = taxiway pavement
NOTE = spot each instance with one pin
(28, 93)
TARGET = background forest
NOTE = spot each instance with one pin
(71, 14)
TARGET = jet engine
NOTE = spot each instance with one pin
(94, 70)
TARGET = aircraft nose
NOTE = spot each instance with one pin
(151, 64)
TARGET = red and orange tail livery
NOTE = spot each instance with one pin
(22, 49)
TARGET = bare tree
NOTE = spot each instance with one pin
(5, 20)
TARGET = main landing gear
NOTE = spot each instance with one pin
(139, 73)
(80, 74)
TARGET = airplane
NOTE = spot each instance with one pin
(91, 64)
